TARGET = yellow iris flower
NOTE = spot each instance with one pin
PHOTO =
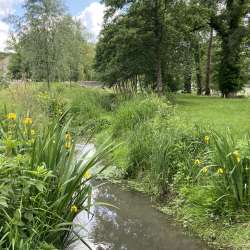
(68, 145)
(197, 162)
(11, 116)
(206, 139)
(205, 170)
(68, 137)
(27, 121)
(87, 175)
(74, 209)
(236, 155)
(220, 171)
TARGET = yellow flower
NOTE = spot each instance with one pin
(74, 209)
(27, 121)
(197, 162)
(87, 175)
(68, 145)
(68, 137)
(220, 171)
(206, 139)
(205, 170)
(11, 116)
(236, 155)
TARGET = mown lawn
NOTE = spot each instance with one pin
(215, 112)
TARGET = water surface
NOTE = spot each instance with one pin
(134, 225)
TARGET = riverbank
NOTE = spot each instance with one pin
(197, 169)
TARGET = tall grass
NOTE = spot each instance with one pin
(43, 186)
(232, 168)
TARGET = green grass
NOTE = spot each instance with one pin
(157, 148)
(216, 112)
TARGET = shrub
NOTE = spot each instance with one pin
(138, 110)
(165, 152)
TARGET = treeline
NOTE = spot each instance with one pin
(172, 45)
(49, 44)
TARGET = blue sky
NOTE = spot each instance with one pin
(76, 6)
(89, 12)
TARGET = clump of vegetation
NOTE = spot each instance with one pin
(201, 173)
(43, 185)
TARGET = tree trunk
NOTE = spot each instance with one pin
(188, 81)
(229, 71)
(159, 76)
(48, 76)
(197, 58)
(208, 66)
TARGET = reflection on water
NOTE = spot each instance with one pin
(133, 225)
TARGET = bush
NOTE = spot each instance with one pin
(137, 110)
(156, 145)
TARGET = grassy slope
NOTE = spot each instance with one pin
(217, 112)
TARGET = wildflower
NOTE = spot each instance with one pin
(11, 116)
(236, 155)
(206, 139)
(220, 171)
(205, 170)
(74, 209)
(197, 162)
(87, 175)
(68, 145)
(27, 121)
(68, 137)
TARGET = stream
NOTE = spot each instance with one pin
(132, 223)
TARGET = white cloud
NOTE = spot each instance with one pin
(7, 7)
(92, 18)
(4, 32)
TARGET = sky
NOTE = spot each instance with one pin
(89, 12)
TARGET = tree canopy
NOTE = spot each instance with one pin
(170, 45)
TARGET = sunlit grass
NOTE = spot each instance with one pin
(215, 112)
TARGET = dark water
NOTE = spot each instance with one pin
(134, 225)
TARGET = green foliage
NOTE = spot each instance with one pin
(40, 177)
(232, 31)
(89, 108)
(4, 83)
(138, 110)
(50, 45)
(232, 167)
(143, 52)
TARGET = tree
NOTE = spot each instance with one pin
(50, 44)
(37, 35)
(141, 45)
(160, 44)
(228, 22)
